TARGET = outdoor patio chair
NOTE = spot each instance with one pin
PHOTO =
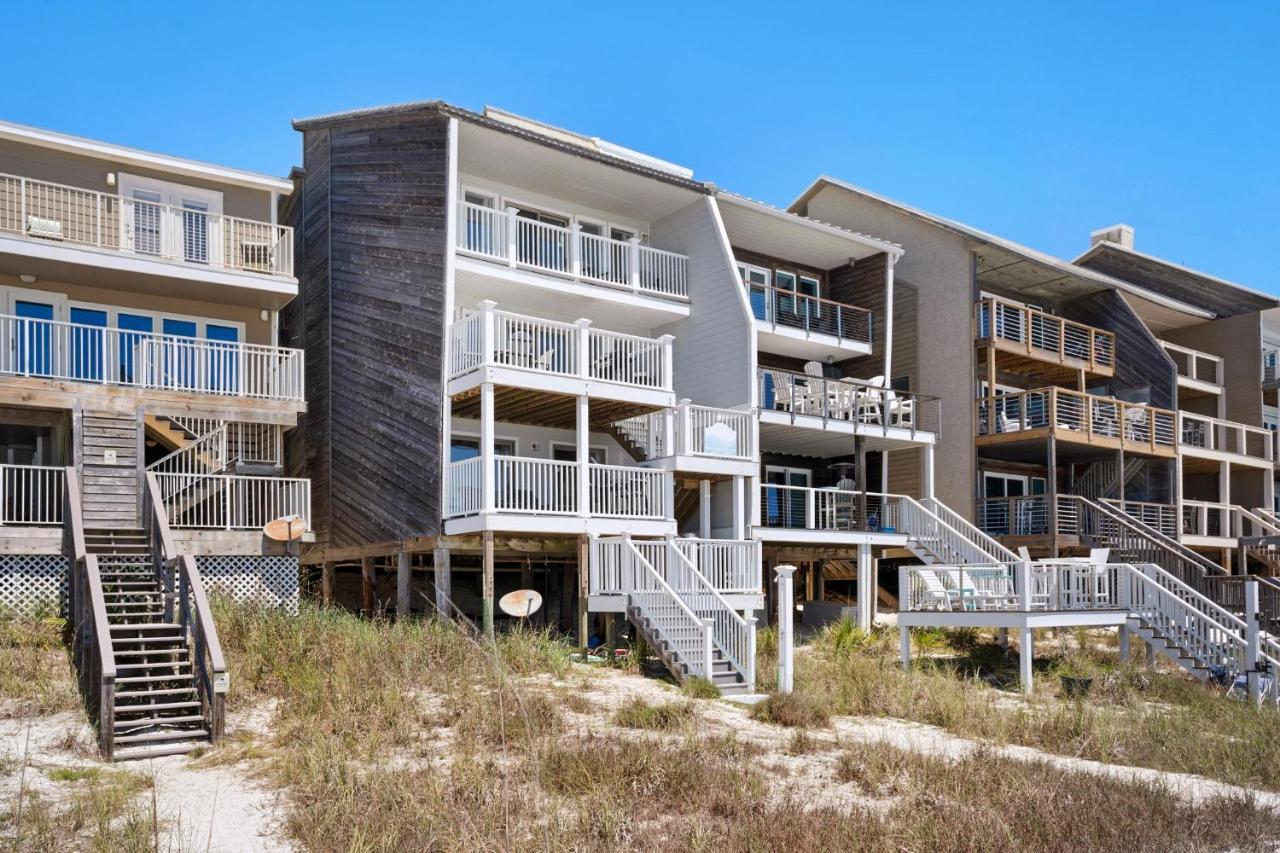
(935, 595)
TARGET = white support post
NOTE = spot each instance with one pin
(583, 436)
(1124, 644)
(669, 445)
(488, 464)
(487, 332)
(512, 220)
(739, 509)
(904, 641)
(1252, 639)
(584, 347)
(633, 252)
(810, 507)
(708, 656)
(753, 511)
(575, 250)
(786, 631)
(866, 588)
(685, 424)
(1026, 651)
(927, 490)
(668, 362)
(1023, 570)
(888, 323)
(704, 509)
(751, 651)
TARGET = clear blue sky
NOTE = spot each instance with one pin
(1039, 122)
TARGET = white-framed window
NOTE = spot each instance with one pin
(562, 451)
(464, 445)
(480, 198)
(156, 208)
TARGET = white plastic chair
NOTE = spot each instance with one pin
(935, 593)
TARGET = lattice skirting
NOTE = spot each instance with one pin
(269, 580)
(33, 584)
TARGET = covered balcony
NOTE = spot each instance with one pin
(46, 223)
(807, 325)
(807, 514)
(1199, 373)
(1078, 418)
(1039, 344)
(694, 439)
(1207, 442)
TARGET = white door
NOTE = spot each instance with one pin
(170, 220)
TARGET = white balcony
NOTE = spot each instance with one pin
(56, 350)
(524, 494)
(495, 346)
(231, 502)
(1198, 372)
(695, 439)
(53, 216)
(566, 254)
(732, 567)
(1211, 440)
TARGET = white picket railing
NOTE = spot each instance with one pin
(206, 455)
(502, 235)
(734, 635)
(464, 492)
(31, 494)
(1194, 364)
(57, 213)
(539, 486)
(622, 491)
(732, 567)
(944, 541)
(699, 431)
(490, 337)
(53, 349)
(232, 502)
(992, 550)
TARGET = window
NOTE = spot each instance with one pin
(468, 447)
(569, 453)
(1000, 485)
(785, 284)
(479, 199)
(902, 383)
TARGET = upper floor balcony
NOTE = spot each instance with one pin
(694, 439)
(805, 325)
(1043, 339)
(1076, 417)
(489, 345)
(571, 253)
(57, 222)
(41, 350)
(1199, 373)
(1207, 441)
(849, 406)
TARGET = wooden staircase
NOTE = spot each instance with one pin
(144, 644)
(724, 675)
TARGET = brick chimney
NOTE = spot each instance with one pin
(1121, 235)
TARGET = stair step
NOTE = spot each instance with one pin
(142, 667)
(167, 638)
(147, 722)
(156, 751)
(157, 691)
(151, 679)
(152, 737)
(149, 707)
(152, 626)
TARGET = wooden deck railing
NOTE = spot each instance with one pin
(1075, 414)
(489, 337)
(60, 214)
(795, 310)
(1195, 365)
(1203, 433)
(503, 235)
(1044, 336)
(1162, 517)
(91, 632)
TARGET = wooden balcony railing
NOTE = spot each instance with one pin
(1195, 365)
(574, 350)
(1214, 435)
(56, 213)
(1162, 517)
(1016, 327)
(503, 236)
(794, 310)
(1077, 416)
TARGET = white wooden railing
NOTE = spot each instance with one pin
(31, 494)
(57, 213)
(523, 484)
(502, 235)
(732, 634)
(206, 455)
(1201, 432)
(690, 636)
(52, 349)
(490, 337)
(731, 566)
(1195, 365)
(1230, 521)
(988, 548)
(698, 431)
(232, 502)
(847, 400)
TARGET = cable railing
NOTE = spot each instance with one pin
(1074, 414)
(847, 400)
(504, 235)
(489, 337)
(62, 214)
(829, 509)
(795, 310)
(1023, 515)
(1158, 516)
(1045, 336)
(53, 349)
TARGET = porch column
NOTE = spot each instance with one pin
(860, 469)
(888, 321)
(927, 478)
(584, 588)
(786, 630)
(404, 573)
(488, 464)
(753, 501)
(704, 509)
(1119, 477)
(368, 585)
(486, 583)
(584, 455)
(444, 581)
(1051, 482)
(739, 509)
(866, 588)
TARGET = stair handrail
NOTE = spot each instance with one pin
(213, 442)
(193, 613)
(1260, 520)
(958, 522)
(698, 660)
(1172, 546)
(735, 634)
(89, 620)
(957, 540)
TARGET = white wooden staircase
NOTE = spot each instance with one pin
(938, 535)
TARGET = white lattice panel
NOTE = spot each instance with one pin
(33, 584)
(270, 580)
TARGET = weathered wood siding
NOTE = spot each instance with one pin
(107, 450)
(373, 219)
(1143, 371)
(1181, 284)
